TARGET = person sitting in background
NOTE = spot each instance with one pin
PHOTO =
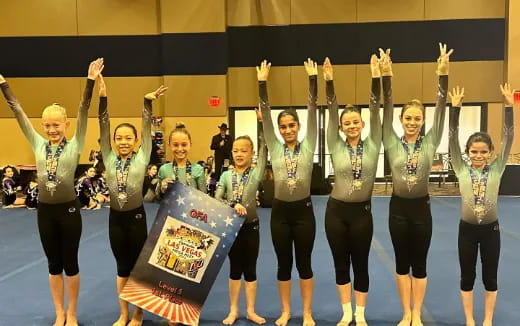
(150, 183)
(101, 188)
(212, 184)
(85, 190)
(31, 192)
(11, 189)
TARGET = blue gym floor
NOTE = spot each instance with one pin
(25, 297)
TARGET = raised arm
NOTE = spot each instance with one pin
(443, 65)
(456, 103)
(262, 73)
(94, 70)
(376, 130)
(104, 119)
(389, 135)
(312, 129)
(261, 162)
(508, 128)
(21, 117)
(146, 142)
(333, 137)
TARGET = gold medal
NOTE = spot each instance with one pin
(411, 179)
(122, 199)
(479, 210)
(51, 186)
(291, 184)
(357, 184)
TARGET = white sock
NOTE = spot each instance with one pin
(347, 312)
(360, 314)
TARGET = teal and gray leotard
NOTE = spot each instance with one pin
(69, 158)
(464, 171)
(277, 149)
(396, 152)
(197, 178)
(256, 174)
(343, 188)
(139, 160)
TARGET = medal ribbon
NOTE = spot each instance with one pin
(52, 160)
(479, 186)
(122, 172)
(413, 159)
(188, 171)
(356, 159)
(291, 164)
(238, 187)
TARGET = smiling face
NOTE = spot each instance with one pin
(180, 145)
(54, 125)
(9, 172)
(125, 140)
(289, 128)
(479, 154)
(152, 170)
(412, 120)
(352, 124)
(242, 152)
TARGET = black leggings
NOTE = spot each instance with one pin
(127, 232)
(60, 232)
(411, 231)
(471, 236)
(293, 222)
(9, 199)
(244, 253)
(349, 231)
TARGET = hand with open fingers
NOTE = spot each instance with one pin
(443, 62)
(2, 79)
(95, 68)
(375, 66)
(385, 62)
(456, 96)
(241, 210)
(311, 67)
(102, 86)
(258, 114)
(508, 93)
(327, 70)
(262, 72)
(155, 94)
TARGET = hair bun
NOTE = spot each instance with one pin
(180, 125)
(416, 102)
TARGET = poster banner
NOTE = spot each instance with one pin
(187, 245)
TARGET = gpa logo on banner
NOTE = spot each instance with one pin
(183, 250)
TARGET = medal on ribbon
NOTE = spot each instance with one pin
(479, 192)
(356, 160)
(412, 162)
(51, 165)
(122, 179)
(239, 185)
(188, 171)
(292, 165)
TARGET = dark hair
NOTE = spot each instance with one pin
(245, 137)
(127, 125)
(349, 108)
(410, 104)
(479, 137)
(179, 127)
(291, 112)
(15, 171)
